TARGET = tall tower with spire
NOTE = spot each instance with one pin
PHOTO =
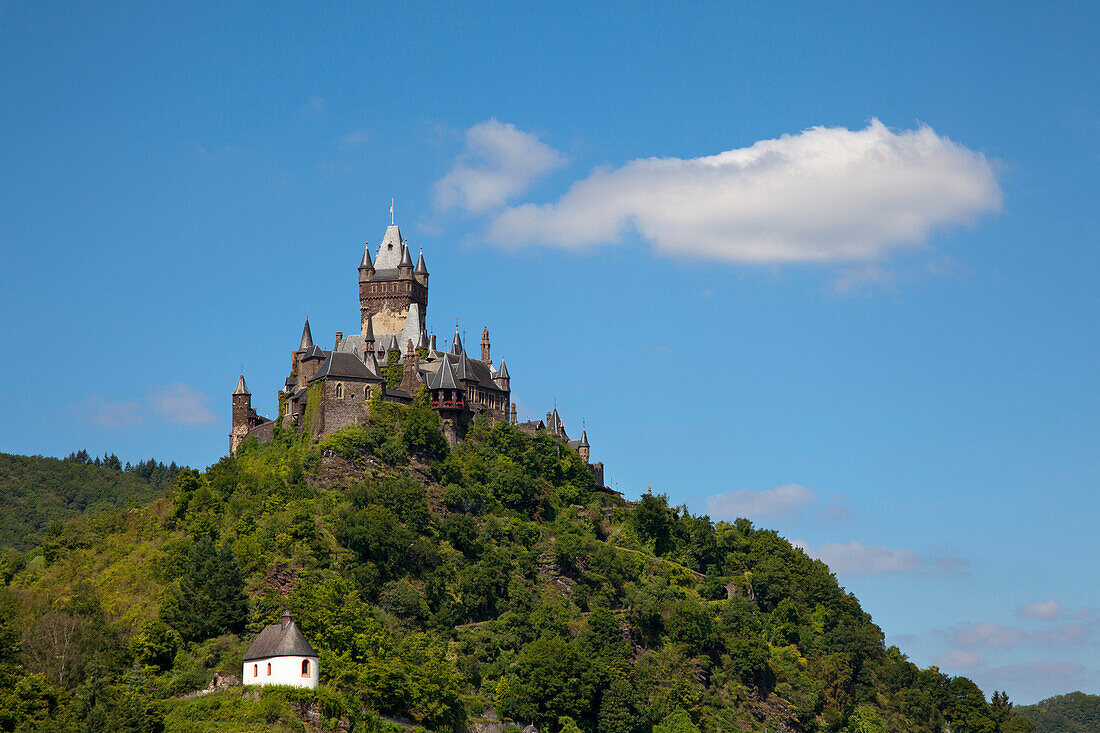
(391, 288)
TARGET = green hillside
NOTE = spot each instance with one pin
(1072, 713)
(35, 491)
(448, 589)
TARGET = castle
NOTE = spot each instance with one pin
(334, 387)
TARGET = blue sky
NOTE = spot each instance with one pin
(834, 268)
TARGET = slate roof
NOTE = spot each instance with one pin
(420, 268)
(456, 345)
(366, 263)
(307, 337)
(241, 387)
(406, 260)
(345, 365)
(389, 251)
(314, 352)
(443, 378)
(503, 373)
(283, 639)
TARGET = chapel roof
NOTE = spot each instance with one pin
(283, 639)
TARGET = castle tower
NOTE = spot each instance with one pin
(583, 448)
(421, 272)
(485, 346)
(242, 414)
(303, 347)
(502, 379)
(389, 285)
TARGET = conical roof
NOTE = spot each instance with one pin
(503, 373)
(283, 639)
(406, 260)
(307, 337)
(584, 439)
(368, 335)
(420, 268)
(241, 387)
(389, 252)
(456, 345)
(366, 264)
(444, 377)
(463, 367)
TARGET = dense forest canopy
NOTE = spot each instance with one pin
(37, 492)
(1072, 713)
(446, 588)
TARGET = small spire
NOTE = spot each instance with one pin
(406, 260)
(391, 212)
(456, 344)
(584, 439)
(420, 267)
(366, 264)
(368, 335)
(503, 373)
(242, 388)
(307, 337)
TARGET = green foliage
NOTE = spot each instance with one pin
(37, 492)
(1072, 713)
(436, 584)
(393, 371)
(208, 598)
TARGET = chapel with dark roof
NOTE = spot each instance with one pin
(335, 386)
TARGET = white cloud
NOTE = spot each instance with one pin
(823, 195)
(960, 659)
(948, 565)
(498, 163)
(100, 411)
(181, 404)
(1041, 609)
(856, 559)
(997, 636)
(775, 502)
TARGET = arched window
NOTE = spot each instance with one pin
(269, 669)
(339, 391)
(305, 668)
(255, 670)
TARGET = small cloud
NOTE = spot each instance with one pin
(827, 194)
(856, 559)
(663, 350)
(997, 636)
(780, 501)
(1041, 609)
(707, 294)
(100, 411)
(358, 137)
(836, 510)
(871, 276)
(315, 107)
(960, 659)
(181, 404)
(499, 162)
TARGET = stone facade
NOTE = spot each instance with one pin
(332, 388)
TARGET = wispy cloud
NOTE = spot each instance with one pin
(105, 413)
(780, 501)
(181, 404)
(315, 107)
(498, 163)
(1041, 609)
(990, 635)
(856, 559)
(823, 195)
(960, 659)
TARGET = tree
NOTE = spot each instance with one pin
(548, 680)
(209, 598)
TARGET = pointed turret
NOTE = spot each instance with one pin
(421, 269)
(456, 345)
(242, 388)
(502, 378)
(368, 334)
(307, 338)
(366, 265)
(406, 260)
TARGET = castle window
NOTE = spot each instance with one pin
(339, 391)
(305, 668)
(255, 670)
(269, 669)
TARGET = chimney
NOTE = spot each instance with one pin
(339, 338)
(485, 346)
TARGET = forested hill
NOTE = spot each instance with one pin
(36, 492)
(1072, 713)
(486, 587)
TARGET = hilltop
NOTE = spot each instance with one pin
(477, 587)
(1072, 713)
